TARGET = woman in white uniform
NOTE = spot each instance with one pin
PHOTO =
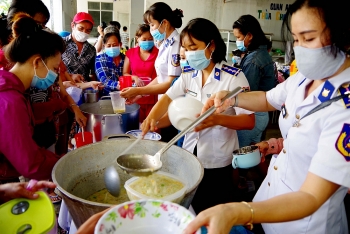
(207, 74)
(306, 183)
(163, 22)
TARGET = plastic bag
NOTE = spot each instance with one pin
(75, 93)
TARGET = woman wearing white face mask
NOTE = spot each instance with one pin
(306, 183)
(79, 57)
(109, 63)
(206, 74)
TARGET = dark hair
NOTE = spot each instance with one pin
(115, 24)
(142, 29)
(204, 30)
(160, 11)
(108, 35)
(31, 7)
(103, 25)
(30, 39)
(334, 14)
(249, 24)
(4, 31)
(125, 28)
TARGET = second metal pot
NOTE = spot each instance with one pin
(91, 96)
(102, 121)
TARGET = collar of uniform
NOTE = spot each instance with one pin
(343, 77)
(214, 74)
(329, 88)
(171, 39)
(325, 91)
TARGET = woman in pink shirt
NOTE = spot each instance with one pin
(36, 64)
(139, 62)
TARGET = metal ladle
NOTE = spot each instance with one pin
(111, 176)
(144, 164)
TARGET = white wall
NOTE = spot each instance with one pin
(69, 9)
(136, 16)
(221, 12)
(224, 14)
(120, 8)
(61, 14)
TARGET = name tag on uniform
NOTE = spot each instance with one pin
(284, 111)
(190, 92)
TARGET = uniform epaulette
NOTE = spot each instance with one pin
(230, 70)
(187, 69)
(344, 90)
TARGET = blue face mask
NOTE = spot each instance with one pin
(240, 45)
(112, 51)
(46, 82)
(146, 45)
(197, 59)
(157, 35)
(234, 60)
(183, 63)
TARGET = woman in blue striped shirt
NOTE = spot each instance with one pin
(109, 63)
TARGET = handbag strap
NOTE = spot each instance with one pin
(323, 105)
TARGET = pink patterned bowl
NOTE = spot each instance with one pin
(145, 216)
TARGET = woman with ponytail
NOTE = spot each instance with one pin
(36, 64)
(163, 22)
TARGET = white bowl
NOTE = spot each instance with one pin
(145, 216)
(183, 111)
(149, 135)
(175, 197)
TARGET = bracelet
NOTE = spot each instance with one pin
(71, 105)
(249, 224)
(236, 101)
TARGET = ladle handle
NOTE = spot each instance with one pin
(202, 117)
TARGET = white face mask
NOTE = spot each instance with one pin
(80, 36)
(309, 61)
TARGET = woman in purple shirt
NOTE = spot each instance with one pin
(36, 65)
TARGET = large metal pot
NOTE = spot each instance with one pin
(102, 121)
(80, 172)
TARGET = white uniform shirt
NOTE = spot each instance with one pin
(216, 144)
(168, 60)
(320, 144)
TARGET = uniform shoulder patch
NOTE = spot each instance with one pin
(345, 90)
(343, 142)
(187, 69)
(175, 60)
(230, 70)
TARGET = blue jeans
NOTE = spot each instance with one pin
(247, 137)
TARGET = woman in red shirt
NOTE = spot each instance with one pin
(139, 62)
